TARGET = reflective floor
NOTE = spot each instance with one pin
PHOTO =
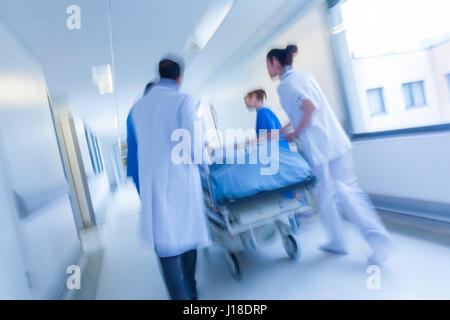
(418, 270)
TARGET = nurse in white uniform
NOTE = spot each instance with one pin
(173, 219)
(328, 150)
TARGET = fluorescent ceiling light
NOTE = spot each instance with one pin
(212, 19)
(102, 77)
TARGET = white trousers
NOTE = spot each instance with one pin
(337, 192)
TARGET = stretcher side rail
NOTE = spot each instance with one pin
(261, 195)
(236, 229)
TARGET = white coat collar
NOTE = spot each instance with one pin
(287, 70)
(168, 83)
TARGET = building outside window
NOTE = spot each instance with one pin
(385, 44)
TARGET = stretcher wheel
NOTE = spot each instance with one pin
(291, 247)
(233, 265)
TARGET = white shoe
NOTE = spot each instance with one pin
(381, 246)
(330, 247)
(377, 260)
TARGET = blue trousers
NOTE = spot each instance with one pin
(179, 275)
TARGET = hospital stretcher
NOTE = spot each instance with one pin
(255, 221)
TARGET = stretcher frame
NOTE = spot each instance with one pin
(233, 234)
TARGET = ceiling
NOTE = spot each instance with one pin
(132, 36)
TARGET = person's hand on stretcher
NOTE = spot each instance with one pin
(267, 136)
(246, 144)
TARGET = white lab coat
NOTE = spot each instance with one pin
(328, 150)
(173, 218)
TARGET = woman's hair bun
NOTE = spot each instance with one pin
(291, 49)
(284, 56)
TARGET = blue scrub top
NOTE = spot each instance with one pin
(266, 119)
(132, 161)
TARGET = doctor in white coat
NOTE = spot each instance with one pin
(173, 219)
(328, 150)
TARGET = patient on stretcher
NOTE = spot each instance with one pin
(231, 180)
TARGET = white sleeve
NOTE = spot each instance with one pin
(189, 120)
(296, 95)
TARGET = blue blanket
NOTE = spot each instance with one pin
(234, 181)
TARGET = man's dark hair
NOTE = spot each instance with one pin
(148, 87)
(169, 69)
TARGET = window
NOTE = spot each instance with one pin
(414, 94)
(99, 157)
(380, 44)
(94, 151)
(376, 101)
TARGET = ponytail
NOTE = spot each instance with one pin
(284, 56)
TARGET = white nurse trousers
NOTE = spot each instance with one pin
(337, 192)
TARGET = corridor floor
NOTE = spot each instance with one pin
(419, 268)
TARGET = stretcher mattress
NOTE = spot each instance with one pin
(236, 181)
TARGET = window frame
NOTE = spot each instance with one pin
(87, 134)
(410, 87)
(401, 132)
(380, 91)
(447, 78)
(94, 151)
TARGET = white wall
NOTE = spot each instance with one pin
(441, 64)
(99, 188)
(12, 268)
(108, 144)
(31, 166)
(310, 33)
(415, 167)
(100, 193)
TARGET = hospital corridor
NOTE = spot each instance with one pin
(224, 151)
(421, 263)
